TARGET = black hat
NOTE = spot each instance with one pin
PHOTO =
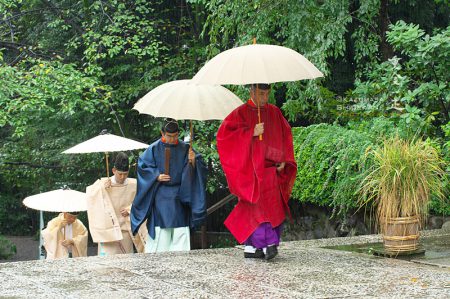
(122, 163)
(170, 126)
(262, 86)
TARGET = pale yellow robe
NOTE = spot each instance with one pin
(53, 236)
(107, 225)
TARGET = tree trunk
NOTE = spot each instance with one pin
(385, 48)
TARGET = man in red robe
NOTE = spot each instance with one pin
(256, 151)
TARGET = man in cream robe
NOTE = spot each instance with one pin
(65, 236)
(109, 202)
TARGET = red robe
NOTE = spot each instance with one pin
(250, 167)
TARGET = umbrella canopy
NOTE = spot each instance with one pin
(105, 143)
(256, 63)
(183, 99)
(62, 200)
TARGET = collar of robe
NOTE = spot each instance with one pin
(253, 105)
(163, 140)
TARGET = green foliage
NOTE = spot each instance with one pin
(35, 88)
(205, 143)
(73, 68)
(14, 218)
(412, 88)
(437, 206)
(331, 164)
(7, 248)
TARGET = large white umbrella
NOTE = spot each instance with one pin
(257, 63)
(106, 143)
(183, 99)
(61, 200)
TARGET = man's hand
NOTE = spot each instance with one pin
(63, 223)
(259, 129)
(67, 243)
(108, 183)
(124, 212)
(280, 166)
(191, 156)
(163, 178)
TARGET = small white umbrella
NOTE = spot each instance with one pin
(106, 143)
(257, 63)
(61, 200)
(183, 99)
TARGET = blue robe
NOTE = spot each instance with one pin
(178, 203)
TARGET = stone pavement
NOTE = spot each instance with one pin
(303, 269)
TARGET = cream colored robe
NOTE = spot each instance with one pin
(53, 236)
(106, 223)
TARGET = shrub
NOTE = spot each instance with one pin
(7, 248)
(331, 164)
(14, 217)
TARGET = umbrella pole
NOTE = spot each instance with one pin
(259, 112)
(107, 164)
(191, 133)
(41, 240)
(64, 228)
(259, 120)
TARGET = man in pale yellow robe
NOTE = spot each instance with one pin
(109, 202)
(65, 236)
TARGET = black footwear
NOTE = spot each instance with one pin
(271, 252)
(259, 254)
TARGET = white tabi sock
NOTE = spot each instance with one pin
(249, 249)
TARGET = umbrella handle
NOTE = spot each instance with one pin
(191, 137)
(191, 133)
(259, 120)
(107, 164)
(166, 160)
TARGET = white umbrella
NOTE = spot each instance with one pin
(106, 143)
(256, 63)
(183, 99)
(61, 200)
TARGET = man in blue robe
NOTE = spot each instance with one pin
(171, 201)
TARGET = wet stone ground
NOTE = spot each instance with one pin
(303, 269)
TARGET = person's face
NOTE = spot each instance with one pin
(171, 138)
(260, 96)
(120, 176)
(70, 218)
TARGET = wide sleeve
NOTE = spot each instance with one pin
(235, 146)
(286, 177)
(80, 239)
(51, 235)
(192, 190)
(147, 184)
